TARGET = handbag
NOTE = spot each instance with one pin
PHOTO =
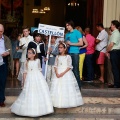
(97, 53)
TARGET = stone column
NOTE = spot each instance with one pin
(111, 12)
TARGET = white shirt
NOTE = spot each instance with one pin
(115, 38)
(2, 49)
(2, 45)
(25, 41)
(103, 37)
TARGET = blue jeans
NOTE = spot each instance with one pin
(75, 64)
(89, 67)
(115, 62)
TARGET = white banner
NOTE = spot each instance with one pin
(51, 30)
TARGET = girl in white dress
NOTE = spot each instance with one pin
(64, 90)
(34, 99)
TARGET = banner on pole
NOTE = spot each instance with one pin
(51, 30)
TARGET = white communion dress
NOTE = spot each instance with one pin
(35, 99)
(65, 92)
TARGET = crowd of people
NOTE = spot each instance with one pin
(94, 53)
(72, 59)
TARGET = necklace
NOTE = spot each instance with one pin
(32, 66)
(61, 62)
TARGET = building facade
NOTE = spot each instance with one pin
(85, 13)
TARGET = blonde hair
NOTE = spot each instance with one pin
(79, 29)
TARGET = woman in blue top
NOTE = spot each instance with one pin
(82, 52)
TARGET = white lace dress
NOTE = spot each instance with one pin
(34, 99)
(64, 91)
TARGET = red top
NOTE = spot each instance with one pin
(91, 44)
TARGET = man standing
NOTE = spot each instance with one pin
(5, 52)
(114, 50)
(74, 40)
(89, 55)
(101, 44)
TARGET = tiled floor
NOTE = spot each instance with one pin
(14, 83)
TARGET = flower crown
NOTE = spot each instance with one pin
(63, 44)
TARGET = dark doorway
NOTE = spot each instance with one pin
(77, 13)
(36, 22)
(88, 13)
(37, 2)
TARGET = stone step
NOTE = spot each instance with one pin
(9, 116)
(100, 104)
(85, 92)
(111, 92)
(87, 100)
(87, 108)
(92, 109)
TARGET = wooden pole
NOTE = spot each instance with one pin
(46, 65)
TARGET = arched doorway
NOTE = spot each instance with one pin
(11, 14)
